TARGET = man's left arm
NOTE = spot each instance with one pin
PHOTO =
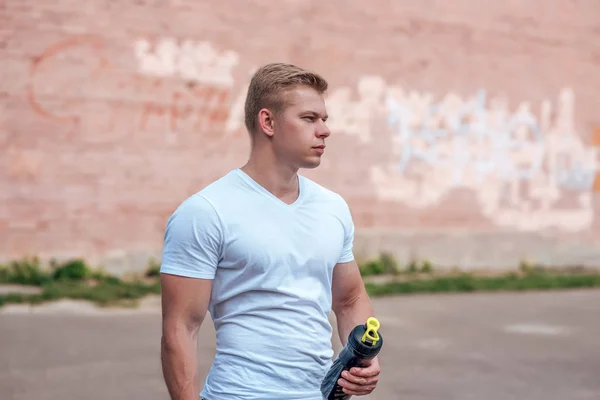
(352, 307)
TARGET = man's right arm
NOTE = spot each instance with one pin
(191, 253)
(184, 304)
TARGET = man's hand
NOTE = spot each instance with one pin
(352, 307)
(360, 381)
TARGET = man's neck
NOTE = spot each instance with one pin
(280, 180)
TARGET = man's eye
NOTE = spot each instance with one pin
(309, 118)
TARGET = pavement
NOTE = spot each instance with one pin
(19, 289)
(492, 346)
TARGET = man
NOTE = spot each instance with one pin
(268, 253)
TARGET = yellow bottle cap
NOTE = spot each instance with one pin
(371, 331)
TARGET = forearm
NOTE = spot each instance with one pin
(353, 313)
(180, 363)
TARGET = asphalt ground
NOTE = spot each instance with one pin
(492, 346)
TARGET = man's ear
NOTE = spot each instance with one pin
(266, 122)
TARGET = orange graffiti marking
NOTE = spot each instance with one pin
(151, 109)
(177, 112)
(204, 104)
(50, 53)
(155, 101)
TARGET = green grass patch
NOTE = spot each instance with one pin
(472, 283)
(74, 279)
(385, 264)
(102, 293)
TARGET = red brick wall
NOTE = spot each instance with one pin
(465, 134)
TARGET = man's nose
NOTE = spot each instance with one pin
(323, 130)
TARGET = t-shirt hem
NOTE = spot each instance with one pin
(188, 274)
(345, 260)
(205, 395)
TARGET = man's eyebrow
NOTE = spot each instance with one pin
(315, 114)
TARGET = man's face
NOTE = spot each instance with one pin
(299, 128)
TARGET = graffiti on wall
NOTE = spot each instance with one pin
(197, 99)
(596, 143)
(189, 60)
(528, 166)
(528, 170)
(357, 117)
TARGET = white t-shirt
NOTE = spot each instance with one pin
(271, 265)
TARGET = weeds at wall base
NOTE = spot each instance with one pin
(385, 264)
(74, 279)
(470, 283)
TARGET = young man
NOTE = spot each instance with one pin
(268, 253)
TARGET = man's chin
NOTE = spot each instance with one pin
(311, 164)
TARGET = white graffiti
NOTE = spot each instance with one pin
(528, 172)
(357, 118)
(235, 121)
(196, 61)
(464, 136)
(468, 138)
(506, 204)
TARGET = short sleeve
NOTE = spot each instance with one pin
(347, 254)
(193, 240)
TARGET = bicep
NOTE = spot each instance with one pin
(184, 300)
(347, 284)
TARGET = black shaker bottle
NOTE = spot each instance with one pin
(364, 343)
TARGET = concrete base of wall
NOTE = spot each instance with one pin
(461, 249)
(469, 250)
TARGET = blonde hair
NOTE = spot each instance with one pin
(269, 84)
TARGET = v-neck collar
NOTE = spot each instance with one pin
(248, 179)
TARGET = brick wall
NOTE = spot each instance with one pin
(465, 134)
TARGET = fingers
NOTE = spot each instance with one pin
(355, 389)
(359, 379)
(366, 372)
(359, 385)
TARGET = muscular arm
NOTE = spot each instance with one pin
(352, 307)
(184, 305)
(350, 301)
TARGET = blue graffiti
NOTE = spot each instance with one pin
(468, 127)
(576, 177)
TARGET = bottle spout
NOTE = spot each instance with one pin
(372, 331)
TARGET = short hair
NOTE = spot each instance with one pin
(269, 84)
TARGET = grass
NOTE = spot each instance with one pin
(387, 265)
(472, 283)
(419, 276)
(74, 279)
